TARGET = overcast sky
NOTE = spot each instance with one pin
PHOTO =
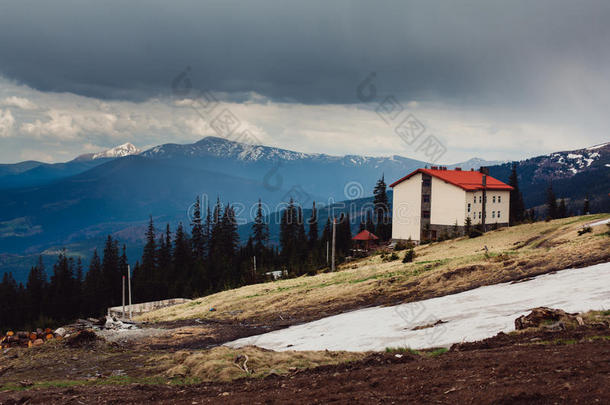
(498, 81)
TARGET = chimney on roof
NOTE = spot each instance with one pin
(458, 169)
(434, 167)
(472, 169)
(484, 170)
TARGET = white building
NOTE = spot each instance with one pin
(428, 202)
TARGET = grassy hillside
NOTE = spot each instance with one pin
(439, 269)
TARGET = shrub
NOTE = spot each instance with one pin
(390, 258)
(475, 233)
(404, 245)
(409, 256)
(585, 229)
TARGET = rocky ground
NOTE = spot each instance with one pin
(545, 365)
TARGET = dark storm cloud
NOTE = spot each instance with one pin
(306, 51)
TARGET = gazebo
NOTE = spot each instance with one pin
(365, 238)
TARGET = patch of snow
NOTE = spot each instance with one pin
(119, 151)
(574, 156)
(470, 316)
(602, 222)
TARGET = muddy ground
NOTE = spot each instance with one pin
(536, 367)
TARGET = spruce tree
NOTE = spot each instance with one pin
(207, 230)
(230, 244)
(79, 284)
(467, 226)
(551, 203)
(382, 209)
(344, 235)
(327, 231)
(165, 258)
(517, 208)
(585, 208)
(197, 232)
(36, 290)
(182, 262)
(94, 301)
(313, 227)
(149, 255)
(9, 303)
(289, 231)
(562, 210)
(62, 290)
(362, 225)
(301, 235)
(260, 231)
(370, 225)
(230, 237)
(111, 273)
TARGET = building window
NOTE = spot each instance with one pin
(425, 214)
(426, 198)
(498, 214)
(468, 207)
(494, 199)
(479, 214)
(493, 214)
(480, 199)
(499, 199)
(475, 199)
(426, 182)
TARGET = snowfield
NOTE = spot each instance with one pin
(469, 316)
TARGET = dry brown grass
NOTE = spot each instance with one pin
(226, 364)
(439, 269)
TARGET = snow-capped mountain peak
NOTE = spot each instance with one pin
(224, 148)
(125, 149)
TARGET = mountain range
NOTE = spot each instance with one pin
(44, 207)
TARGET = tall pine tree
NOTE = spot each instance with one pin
(517, 208)
(260, 231)
(312, 236)
(197, 232)
(383, 228)
(551, 203)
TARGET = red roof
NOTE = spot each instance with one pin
(365, 235)
(466, 179)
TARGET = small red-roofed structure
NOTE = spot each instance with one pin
(366, 238)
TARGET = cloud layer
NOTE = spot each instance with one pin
(499, 80)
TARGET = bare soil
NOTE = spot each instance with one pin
(530, 367)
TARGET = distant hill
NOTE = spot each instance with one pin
(574, 175)
(77, 203)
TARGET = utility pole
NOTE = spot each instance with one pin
(327, 244)
(129, 288)
(123, 297)
(254, 261)
(332, 268)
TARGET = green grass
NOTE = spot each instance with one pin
(426, 353)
